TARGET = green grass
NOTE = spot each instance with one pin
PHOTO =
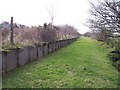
(82, 64)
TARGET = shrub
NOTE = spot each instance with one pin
(115, 54)
(48, 34)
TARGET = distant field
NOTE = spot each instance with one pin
(83, 64)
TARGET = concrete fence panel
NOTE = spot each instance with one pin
(50, 47)
(3, 62)
(54, 46)
(10, 60)
(64, 43)
(45, 49)
(32, 52)
(23, 56)
(57, 45)
(0, 63)
(40, 51)
(61, 44)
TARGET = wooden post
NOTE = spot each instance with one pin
(11, 32)
(65, 34)
(45, 26)
(58, 34)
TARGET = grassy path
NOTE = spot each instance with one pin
(83, 64)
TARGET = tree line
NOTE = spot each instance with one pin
(37, 34)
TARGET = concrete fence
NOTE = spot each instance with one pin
(22, 56)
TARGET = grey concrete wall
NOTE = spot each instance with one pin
(50, 47)
(23, 56)
(53, 46)
(40, 51)
(45, 49)
(60, 44)
(3, 62)
(57, 46)
(10, 61)
(63, 43)
(0, 63)
(33, 53)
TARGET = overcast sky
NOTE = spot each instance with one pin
(34, 12)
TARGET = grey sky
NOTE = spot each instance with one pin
(34, 12)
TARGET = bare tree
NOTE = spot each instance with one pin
(106, 14)
(105, 20)
(52, 12)
(68, 31)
